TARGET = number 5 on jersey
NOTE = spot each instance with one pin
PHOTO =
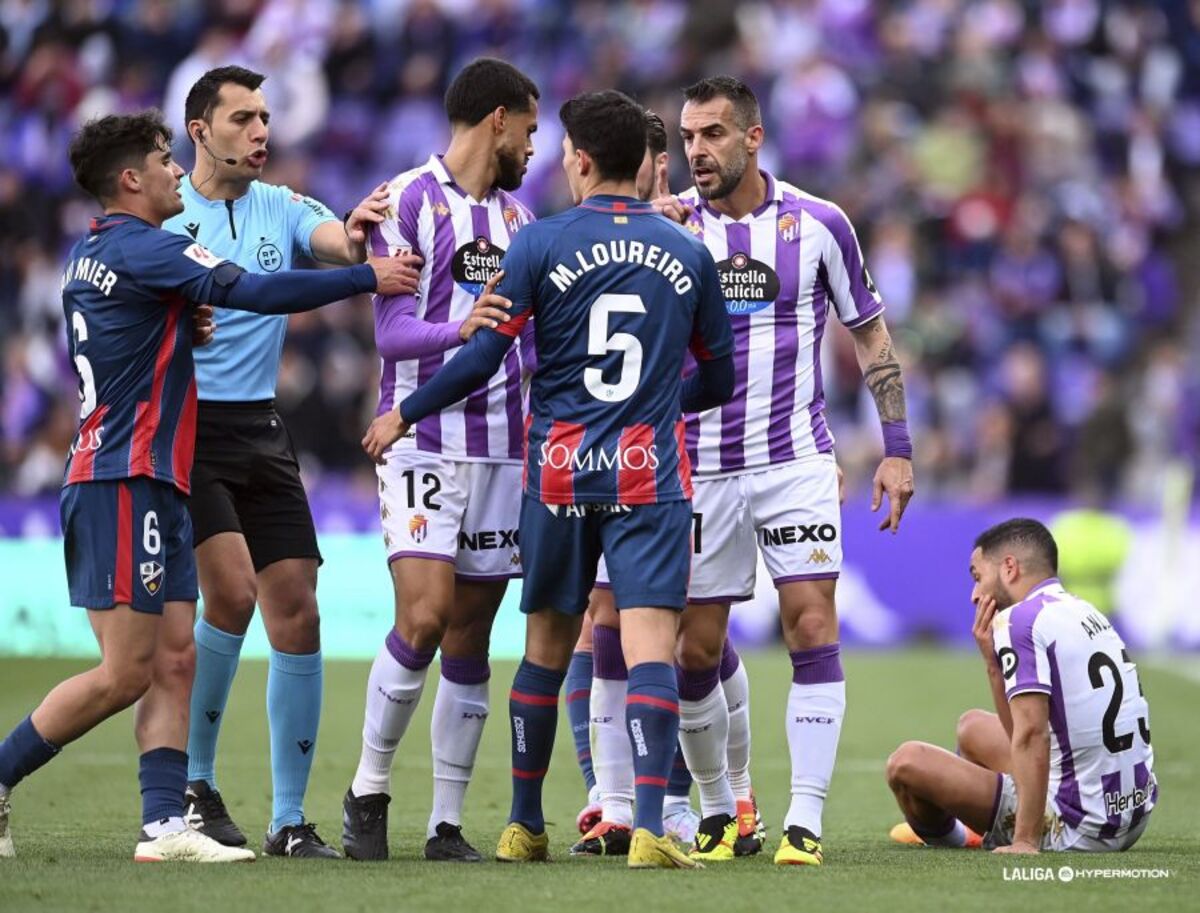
(600, 343)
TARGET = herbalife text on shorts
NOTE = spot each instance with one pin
(1066, 873)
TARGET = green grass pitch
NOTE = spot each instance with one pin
(75, 822)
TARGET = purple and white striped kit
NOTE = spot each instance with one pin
(782, 267)
(435, 218)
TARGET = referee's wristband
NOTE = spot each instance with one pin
(896, 442)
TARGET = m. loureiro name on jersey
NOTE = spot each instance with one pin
(618, 295)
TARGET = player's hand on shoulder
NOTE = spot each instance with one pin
(673, 208)
(491, 310)
(894, 477)
(398, 275)
(203, 326)
(370, 211)
(384, 431)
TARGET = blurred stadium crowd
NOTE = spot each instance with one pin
(1023, 176)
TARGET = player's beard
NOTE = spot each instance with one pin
(729, 175)
(508, 170)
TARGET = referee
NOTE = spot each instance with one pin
(254, 536)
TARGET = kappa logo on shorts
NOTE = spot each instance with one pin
(152, 576)
(418, 527)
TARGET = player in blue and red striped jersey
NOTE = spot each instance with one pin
(128, 294)
(619, 296)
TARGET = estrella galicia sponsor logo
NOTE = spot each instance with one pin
(152, 576)
(475, 263)
(799, 533)
(749, 285)
(1008, 661)
(489, 540)
(269, 256)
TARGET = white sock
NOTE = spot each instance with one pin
(172, 825)
(814, 722)
(612, 755)
(955, 837)
(737, 696)
(459, 713)
(393, 692)
(703, 734)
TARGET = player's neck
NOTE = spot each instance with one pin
(750, 193)
(611, 189)
(135, 209)
(209, 183)
(471, 166)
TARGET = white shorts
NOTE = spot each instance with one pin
(1057, 836)
(451, 510)
(790, 512)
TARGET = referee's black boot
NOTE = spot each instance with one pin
(204, 811)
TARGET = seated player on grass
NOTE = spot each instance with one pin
(1065, 763)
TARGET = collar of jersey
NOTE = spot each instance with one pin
(608, 202)
(108, 220)
(774, 195)
(438, 167)
(194, 196)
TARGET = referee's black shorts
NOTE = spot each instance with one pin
(246, 479)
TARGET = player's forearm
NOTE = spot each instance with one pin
(331, 244)
(710, 386)
(996, 683)
(294, 291)
(1031, 774)
(401, 335)
(478, 360)
(885, 379)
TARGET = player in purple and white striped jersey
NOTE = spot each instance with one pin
(1065, 763)
(764, 466)
(450, 492)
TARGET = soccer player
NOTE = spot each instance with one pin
(1065, 763)
(127, 293)
(449, 494)
(253, 531)
(764, 463)
(618, 296)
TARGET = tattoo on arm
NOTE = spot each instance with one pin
(886, 384)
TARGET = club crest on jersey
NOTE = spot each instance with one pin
(789, 227)
(749, 285)
(475, 263)
(152, 576)
(418, 527)
(512, 219)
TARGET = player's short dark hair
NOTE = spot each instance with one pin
(745, 104)
(204, 94)
(656, 134)
(483, 86)
(611, 128)
(1022, 532)
(106, 146)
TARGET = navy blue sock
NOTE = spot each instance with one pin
(162, 774)
(652, 718)
(22, 752)
(680, 781)
(533, 713)
(579, 694)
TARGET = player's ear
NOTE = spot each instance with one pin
(499, 120)
(754, 138)
(129, 179)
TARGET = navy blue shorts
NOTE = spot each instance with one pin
(648, 550)
(127, 542)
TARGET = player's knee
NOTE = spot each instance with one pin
(123, 686)
(176, 669)
(903, 765)
(698, 652)
(968, 725)
(229, 601)
(810, 625)
(422, 626)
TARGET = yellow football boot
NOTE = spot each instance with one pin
(800, 846)
(715, 839)
(519, 844)
(647, 851)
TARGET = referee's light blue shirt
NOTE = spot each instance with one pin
(262, 232)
